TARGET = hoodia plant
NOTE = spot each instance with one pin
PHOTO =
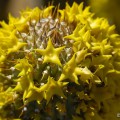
(59, 65)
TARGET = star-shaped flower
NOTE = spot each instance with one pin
(14, 23)
(51, 54)
(6, 97)
(80, 33)
(75, 35)
(75, 13)
(70, 71)
(25, 80)
(51, 88)
(9, 42)
(24, 67)
(33, 94)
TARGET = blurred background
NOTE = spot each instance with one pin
(14, 6)
(103, 8)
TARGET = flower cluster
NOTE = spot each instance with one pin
(59, 64)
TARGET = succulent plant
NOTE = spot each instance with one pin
(59, 65)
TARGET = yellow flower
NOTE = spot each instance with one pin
(58, 57)
(70, 71)
(51, 54)
(6, 97)
(51, 88)
(25, 80)
(75, 13)
(9, 43)
(76, 33)
(36, 13)
(24, 67)
(14, 23)
(81, 36)
(32, 94)
(2, 55)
